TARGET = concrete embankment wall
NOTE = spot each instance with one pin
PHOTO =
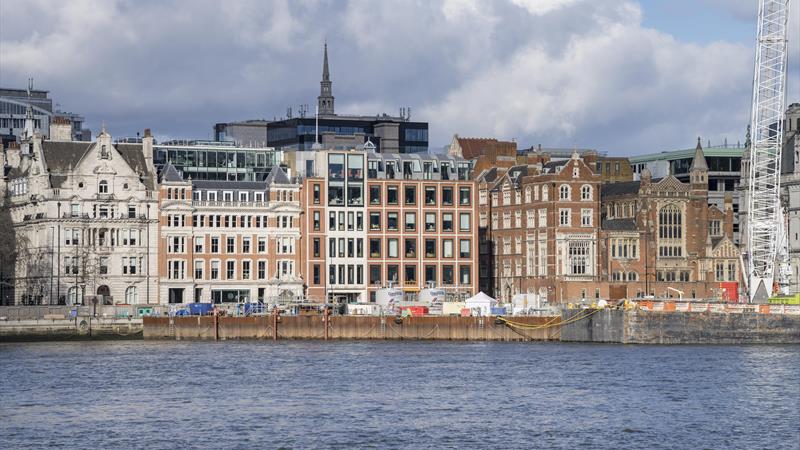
(676, 327)
(348, 327)
(66, 329)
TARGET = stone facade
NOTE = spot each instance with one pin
(82, 224)
(662, 238)
(229, 241)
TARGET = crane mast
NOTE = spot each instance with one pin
(766, 122)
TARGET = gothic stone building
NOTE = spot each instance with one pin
(81, 222)
(538, 227)
(661, 238)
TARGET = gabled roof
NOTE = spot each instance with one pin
(170, 174)
(277, 176)
(61, 157)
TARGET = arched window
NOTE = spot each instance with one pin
(73, 296)
(103, 187)
(633, 276)
(670, 231)
(528, 194)
(586, 192)
(545, 193)
(131, 296)
(563, 192)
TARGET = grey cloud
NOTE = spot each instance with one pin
(178, 67)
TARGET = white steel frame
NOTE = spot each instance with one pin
(766, 121)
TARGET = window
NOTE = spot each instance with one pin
(430, 274)
(411, 274)
(359, 221)
(447, 196)
(530, 219)
(262, 270)
(374, 221)
(198, 270)
(375, 195)
(391, 273)
(392, 248)
(528, 194)
(465, 274)
(564, 217)
(586, 192)
(317, 194)
(246, 245)
(391, 221)
(245, 270)
(430, 195)
(411, 248)
(545, 193)
(430, 248)
(332, 221)
(391, 195)
(464, 222)
(214, 245)
(131, 295)
(430, 221)
(447, 248)
(586, 217)
(410, 195)
(411, 221)
(563, 192)
(317, 247)
(447, 222)
(175, 269)
(316, 274)
(231, 245)
(670, 232)
(714, 228)
(375, 274)
(447, 275)
(482, 197)
(464, 196)
(230, 270)
(103, 265)
(464, 248)
(102, 188)
(578, 256)
(215, 270)
(374, 248)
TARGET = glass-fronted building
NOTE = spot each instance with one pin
(389, 134)
(209, 160)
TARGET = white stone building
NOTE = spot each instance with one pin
(81, 222)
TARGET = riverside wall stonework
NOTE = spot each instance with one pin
(348, 327)
(677, 327)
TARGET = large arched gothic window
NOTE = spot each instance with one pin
(670, 231)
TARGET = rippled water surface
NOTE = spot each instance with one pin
(397, 394)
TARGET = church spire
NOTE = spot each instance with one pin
(325, 99)
(326, 75)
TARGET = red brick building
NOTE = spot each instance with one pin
(539, 229)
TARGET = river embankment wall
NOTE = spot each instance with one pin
(349, 327)
(679, 327)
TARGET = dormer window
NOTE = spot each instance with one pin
(102, 188)
(103, 152)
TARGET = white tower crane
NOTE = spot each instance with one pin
(764, 221)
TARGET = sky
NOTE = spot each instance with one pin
(622, 76)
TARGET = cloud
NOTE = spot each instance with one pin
(556, 72)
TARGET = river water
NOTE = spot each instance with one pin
(311, 394)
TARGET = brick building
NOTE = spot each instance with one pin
(539, 229)
(229, 241)
(660, 237)
(374, 219)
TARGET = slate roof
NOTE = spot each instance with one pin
(621, 188)
(699, 160)
(488, 175)
(619, 225)
(554, 166)
(61, 157)
(277, 176)
(170, 173)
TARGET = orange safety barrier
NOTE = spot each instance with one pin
(763, 309)
(669, 306)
